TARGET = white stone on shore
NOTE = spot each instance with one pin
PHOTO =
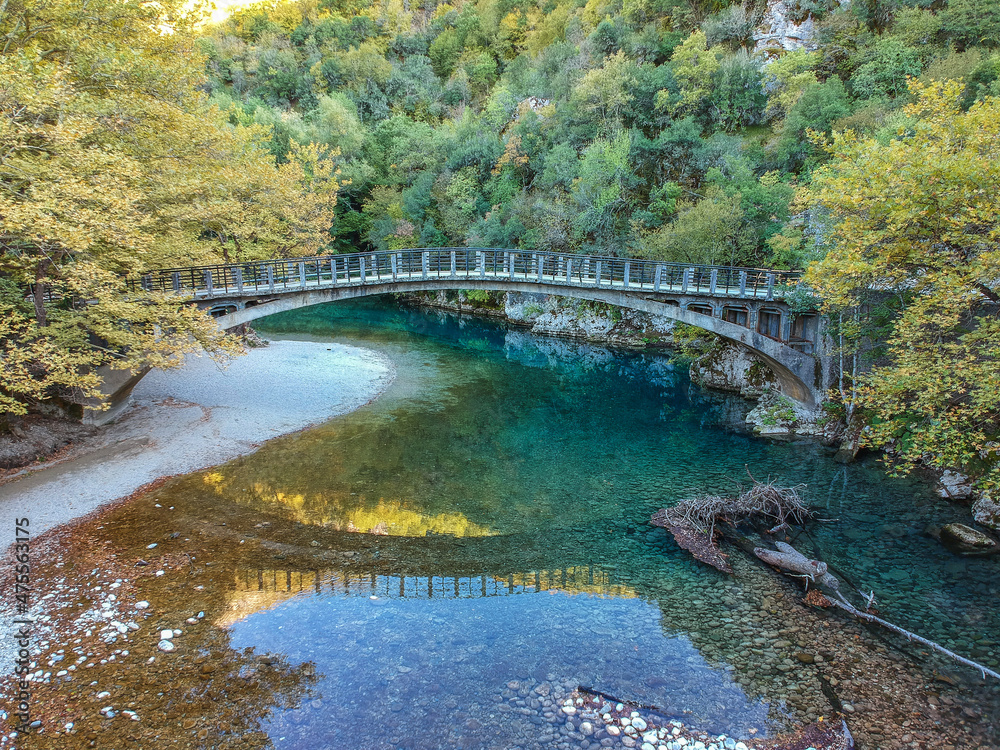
(142, 605)
(166, 635)
(569, 710)
(639, 723)
(166, 646)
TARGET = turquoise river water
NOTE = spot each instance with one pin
(502, 488)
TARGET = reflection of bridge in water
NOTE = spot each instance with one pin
(577, 579)
(258, 589)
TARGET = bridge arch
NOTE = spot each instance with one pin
(794, 370)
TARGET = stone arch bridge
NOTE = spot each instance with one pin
(744, 305)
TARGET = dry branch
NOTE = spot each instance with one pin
(790, 559)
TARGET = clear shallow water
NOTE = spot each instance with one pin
(507, 481)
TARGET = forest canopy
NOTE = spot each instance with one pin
(657, 128)
(113, 160)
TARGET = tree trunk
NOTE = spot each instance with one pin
(38, 294)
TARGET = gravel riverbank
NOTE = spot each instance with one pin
(198, 416)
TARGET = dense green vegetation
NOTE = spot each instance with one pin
(641, 127)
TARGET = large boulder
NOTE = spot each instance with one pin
(986, 511)
(778, 416)
(727, 366)
(965, 540)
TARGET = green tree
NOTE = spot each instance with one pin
(972, 23)
(816, 109)
(738, 98)
(884, 74)
(601, 191)
(694, 66)
(605, 92)
(915, 219)
(111, 161)
(708, 231)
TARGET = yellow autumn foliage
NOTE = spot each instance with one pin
(913, 225)
(111, 162)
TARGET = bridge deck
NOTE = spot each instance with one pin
(290, 285)
(466, 264)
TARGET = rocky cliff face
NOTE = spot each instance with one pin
(778, 33)
(730, 367)
(564, 317)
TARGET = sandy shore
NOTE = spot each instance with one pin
(194, 417)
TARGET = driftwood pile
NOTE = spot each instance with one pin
(692, 522)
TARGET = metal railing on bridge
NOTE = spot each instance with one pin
(462, 263)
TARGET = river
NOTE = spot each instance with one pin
(443, 566)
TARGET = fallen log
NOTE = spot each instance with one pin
(787, 558)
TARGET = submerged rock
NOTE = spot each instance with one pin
(965, 540)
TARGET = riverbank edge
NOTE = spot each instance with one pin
(190, 434)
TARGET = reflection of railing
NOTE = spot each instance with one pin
(578, 579)
(467, 263)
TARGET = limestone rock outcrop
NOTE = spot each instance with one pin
(730, 367)
(778, 33)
